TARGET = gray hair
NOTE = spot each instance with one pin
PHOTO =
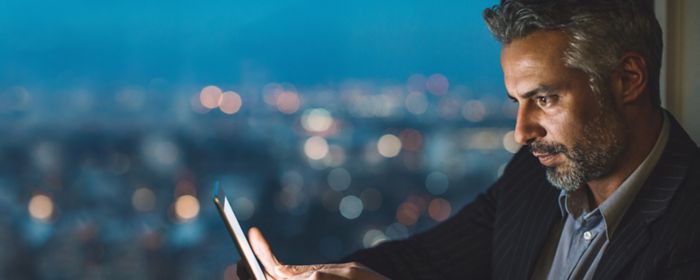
(600, 32)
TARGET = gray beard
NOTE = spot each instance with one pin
(593, 157)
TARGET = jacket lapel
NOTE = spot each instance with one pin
(538, 231)
(633, 232)
(519, 249)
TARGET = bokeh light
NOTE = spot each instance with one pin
(288, 102)
(316, 147)
(389, 146)
(408, 213)
(416, 83)
(186, 207)
(437, 84)
(210, 97)
(509, 142)
(230, 102)
(316, 120)
(143, 199)
(41, 207)
(416, 103)
(411, 139)
(373, 237)
(474, 111)
(270, 92)
(339, 179)
(396, 231)
(439, 209)
(350, 207)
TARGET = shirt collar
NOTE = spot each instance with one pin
(576, 203)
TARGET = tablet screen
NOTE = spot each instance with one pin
(234, 228)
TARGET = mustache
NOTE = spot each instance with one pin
(546, 148)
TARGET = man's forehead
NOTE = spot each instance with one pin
(540, 45)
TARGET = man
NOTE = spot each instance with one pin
(606, 186)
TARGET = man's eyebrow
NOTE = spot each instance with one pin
(533, 92)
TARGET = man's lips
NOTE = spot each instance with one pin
(546, 159)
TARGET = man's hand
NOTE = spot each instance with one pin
(276, 270)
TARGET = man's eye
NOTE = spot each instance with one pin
(546, 100)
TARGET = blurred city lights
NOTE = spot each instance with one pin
(288, 102)
(143, 199)
(474, 111)
(230, 102)
(339, 179)
(350, 207)
(483, 139)
(373, 237)
(389, 146)
(270, 92)
(47, 156)
(439, 209)
(408, 213)
(416, 83)
(509, 142)
(210, 97)
(436, 183)
(370, 153)
(396, 231)
(316, 120)
(450, 108)
(437, 84)
(416, 103)
(186, 207)
(41, 207)
(316, 147)
(411, 139)
(161, 153)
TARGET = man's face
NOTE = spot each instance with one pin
(575, 133)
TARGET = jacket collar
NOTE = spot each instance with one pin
(652, 201)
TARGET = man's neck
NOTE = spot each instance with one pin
(642, 137)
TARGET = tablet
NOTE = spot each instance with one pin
(239, 237)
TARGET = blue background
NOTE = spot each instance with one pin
(99, 100)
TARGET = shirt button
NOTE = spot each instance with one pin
(587, 235)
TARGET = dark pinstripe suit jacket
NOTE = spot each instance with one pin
(500, 234)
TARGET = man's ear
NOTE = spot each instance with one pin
(630, 78)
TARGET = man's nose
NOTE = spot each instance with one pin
(527, 127)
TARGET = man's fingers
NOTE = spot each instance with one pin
(339, 271)
(263, 252)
